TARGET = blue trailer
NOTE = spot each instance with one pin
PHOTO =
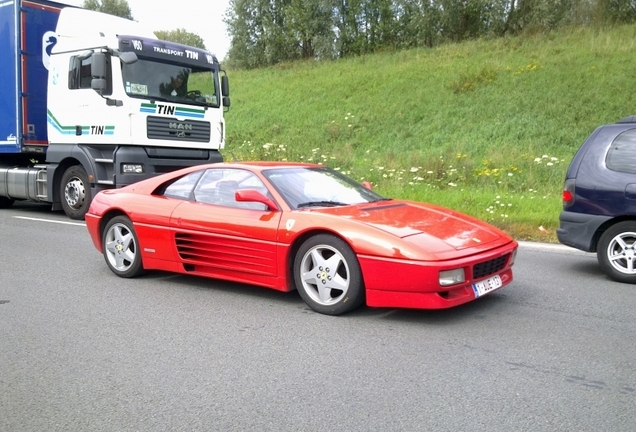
(82, 106)
(26, 40)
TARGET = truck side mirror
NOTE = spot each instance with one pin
(225, 86)
(98, 65)
(225, 91)
(98, 72)
(99, 85)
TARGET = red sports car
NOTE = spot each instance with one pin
(300, 226)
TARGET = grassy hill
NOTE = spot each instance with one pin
(487, 127)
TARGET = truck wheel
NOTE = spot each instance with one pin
(75, 192)
(5, 202)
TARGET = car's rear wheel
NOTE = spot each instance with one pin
(328, 276)
(616, 252)
(121, 248)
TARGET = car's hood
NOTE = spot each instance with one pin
(422, 223)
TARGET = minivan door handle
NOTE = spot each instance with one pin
(630, 191)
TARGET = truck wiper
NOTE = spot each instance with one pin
(321, 204)
(160, 98)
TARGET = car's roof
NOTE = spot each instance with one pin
(147, 185)
(258, 165)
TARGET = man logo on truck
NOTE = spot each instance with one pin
(180, 126)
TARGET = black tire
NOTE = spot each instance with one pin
(616, 252)
(327, 275)
(6, 202)
(75, 192)
(121, 248)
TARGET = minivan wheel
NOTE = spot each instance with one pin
(616, 252)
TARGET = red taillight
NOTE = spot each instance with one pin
(569, 195)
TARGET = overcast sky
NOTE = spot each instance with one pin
(203, 17)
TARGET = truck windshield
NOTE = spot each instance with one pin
(184, 84)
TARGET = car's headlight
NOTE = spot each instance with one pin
(514, 256)
(451, 277)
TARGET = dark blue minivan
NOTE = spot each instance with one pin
(599, 199)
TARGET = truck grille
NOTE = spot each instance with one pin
(492, 266)
(178, 130)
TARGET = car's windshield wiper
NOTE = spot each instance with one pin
(321, 204)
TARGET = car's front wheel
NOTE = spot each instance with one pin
(121, 248)
(328, 276)
(616, 252)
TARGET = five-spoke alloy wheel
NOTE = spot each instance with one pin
(616, 252)
(121, 248)
(327, 275)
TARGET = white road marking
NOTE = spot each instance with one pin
(51, 221)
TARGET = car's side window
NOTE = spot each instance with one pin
(219, 186)
(182, 188)
(622, 153)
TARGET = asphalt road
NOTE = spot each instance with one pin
(83, 350)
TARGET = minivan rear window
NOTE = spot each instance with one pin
(622, 153)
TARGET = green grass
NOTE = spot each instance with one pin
(486, 127)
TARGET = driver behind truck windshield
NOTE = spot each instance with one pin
(177, 85)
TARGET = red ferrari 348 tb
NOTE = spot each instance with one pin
(300, 226)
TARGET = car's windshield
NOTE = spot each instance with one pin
(185, 84)
(318, 187)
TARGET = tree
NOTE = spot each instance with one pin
(113, 7)
(244, 20)
(266, 32)
(309, 27)
(181, 36)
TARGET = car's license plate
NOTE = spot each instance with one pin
(486, 286)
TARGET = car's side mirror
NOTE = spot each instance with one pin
(252, 195)
(367, 185)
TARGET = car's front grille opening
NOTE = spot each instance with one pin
(487, 268)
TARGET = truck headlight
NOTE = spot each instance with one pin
(132, 169)
(451, 277)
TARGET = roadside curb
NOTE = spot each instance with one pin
(551, 247)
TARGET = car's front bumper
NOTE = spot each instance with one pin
(578, 230)
(415, 284)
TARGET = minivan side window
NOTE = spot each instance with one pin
(622, 153)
